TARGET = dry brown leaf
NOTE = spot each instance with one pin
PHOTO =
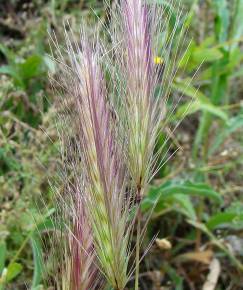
(213, 275)
(204, 257)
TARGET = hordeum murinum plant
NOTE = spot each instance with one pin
(145, 68)
(113, 97)
(104, 196)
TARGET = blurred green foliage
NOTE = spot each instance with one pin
(196, 196)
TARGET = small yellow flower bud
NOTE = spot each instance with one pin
(158, 60)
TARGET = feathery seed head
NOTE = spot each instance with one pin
(138, 65)
(137, 28)
(101, 159)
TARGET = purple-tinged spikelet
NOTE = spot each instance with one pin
(74, 245)
(75, 242)
(138, 64)
(136, 35)
(83, 272)
(100, 157)
(103, 170)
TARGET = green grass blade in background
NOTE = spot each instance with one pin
(13, 271)
(168, 195)
(225, 220)
(38, 260)
(234, 124)
(3, 252)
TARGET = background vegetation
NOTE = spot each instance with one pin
(199, 214)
